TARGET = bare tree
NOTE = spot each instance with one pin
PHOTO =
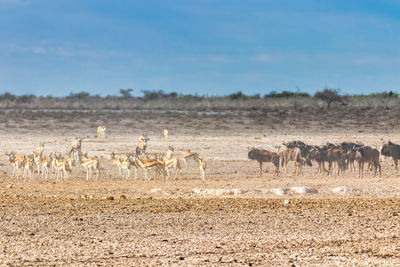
(329, 96)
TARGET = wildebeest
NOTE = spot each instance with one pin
(338, 156)
(350, 149)
(262, 155)
(300, 161)
(300, 154)
(390, 149)
(320, 156)
(304, 148)
(76, 149)
(370, 155)
(285, 156)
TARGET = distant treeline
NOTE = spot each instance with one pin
(160, 94)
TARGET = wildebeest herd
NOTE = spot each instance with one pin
(338, 157)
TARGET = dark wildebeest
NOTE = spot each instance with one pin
(300, 154)
(319, 154)
(339, 156)
(390, 149)
(370, 155)
(262, 155)
(349, 148)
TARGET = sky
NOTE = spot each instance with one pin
(203, 47)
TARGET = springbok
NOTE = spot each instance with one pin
(40, 148)
(45, 163)
(53, 163)
(28, 165)
(169, 153)
(133, 163)
(16, 163)
(165, 132)
(147, 165)
(126, 164)
(190, 155)
(202, 167)
(101, 132)
(172, 163)
(37, 158)
(117, 162)
(88, 164)
(64, 168)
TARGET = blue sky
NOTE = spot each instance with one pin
(213, 47)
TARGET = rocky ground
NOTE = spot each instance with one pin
(212, 231)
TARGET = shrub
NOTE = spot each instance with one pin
(126, 93)
(7, 97)
(240, 96)
(389, 94)
(26, 99)
(81, 95)
(329, 96)
(286, 94)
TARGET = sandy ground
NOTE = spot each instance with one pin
(234, 217)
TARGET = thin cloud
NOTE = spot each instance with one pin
(39, 50)
(373, 59)
(13, 2)
(220, 58)
(264, 58)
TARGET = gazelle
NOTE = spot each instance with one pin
(40, 148)
(165, 132)
(127, 164)
(37, 158)
(125, 167)
(116, 162)
(190, 155)
(101, 132)
(45, 164)
(28, 165)
(53, 163)
(172, 163)
(151, 164)
(202, 167)
(169, 153)
(63, 168)
(88, 164)
(16, 163)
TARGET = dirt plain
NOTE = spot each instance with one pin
(234, 217)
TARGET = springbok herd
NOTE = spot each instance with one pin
(59, 167)
(340, 156)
